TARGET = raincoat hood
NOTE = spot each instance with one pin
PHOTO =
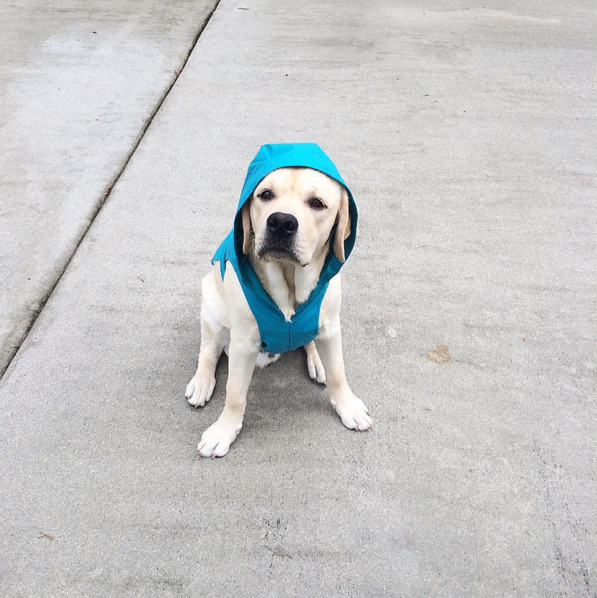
(277, 334)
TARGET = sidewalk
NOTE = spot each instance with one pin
(467, 136)
(79, 83)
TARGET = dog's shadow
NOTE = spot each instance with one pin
(281, 391)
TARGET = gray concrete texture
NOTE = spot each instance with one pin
(466, 131)
(78, 84)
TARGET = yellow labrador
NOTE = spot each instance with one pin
(303, 205)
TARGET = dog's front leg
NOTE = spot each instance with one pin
(352, 411)
(216, 440)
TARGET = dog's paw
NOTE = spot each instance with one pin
(200, 389)
(264, 359)
(314, 364)
(216, 440)
(353, 412)
(316, 369)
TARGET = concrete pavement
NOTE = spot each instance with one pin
(79, 83)
(466, 132)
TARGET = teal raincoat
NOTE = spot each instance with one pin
(277, 334)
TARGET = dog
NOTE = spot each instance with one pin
(292, 226)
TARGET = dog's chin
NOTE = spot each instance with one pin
(277, 253)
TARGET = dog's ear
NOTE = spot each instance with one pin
(247, 228)
(342, 227)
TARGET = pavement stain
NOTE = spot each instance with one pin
(279, 551)
(274, 534)
(440, 354)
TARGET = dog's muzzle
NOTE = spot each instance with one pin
(280, 236)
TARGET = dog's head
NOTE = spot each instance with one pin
(291, 214)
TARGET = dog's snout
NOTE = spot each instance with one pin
(282, 225)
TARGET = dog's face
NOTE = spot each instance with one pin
(291, 214)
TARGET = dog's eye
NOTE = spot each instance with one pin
(316, 203)
(266, 195)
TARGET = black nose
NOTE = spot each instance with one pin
(282, 225)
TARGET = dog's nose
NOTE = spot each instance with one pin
(282, 225)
